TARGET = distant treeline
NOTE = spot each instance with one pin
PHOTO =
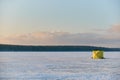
(53, 48)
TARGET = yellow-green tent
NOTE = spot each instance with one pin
(97, 54)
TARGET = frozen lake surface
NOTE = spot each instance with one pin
(58, 66)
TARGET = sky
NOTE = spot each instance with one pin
(60, 22)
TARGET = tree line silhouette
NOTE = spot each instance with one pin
(5, 47)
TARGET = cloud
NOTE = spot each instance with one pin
(113, 32)
(37, 38)
(115, 28)
(60, 38)
(109, 39)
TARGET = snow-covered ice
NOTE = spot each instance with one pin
(58, 66)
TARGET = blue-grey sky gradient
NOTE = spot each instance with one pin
(72, 16)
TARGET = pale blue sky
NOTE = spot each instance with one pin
(74, 16)
(58, 15)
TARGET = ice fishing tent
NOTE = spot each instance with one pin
(97, 54)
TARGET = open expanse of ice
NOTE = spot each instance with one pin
(58, 66)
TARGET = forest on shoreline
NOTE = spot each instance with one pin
(7, 47)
